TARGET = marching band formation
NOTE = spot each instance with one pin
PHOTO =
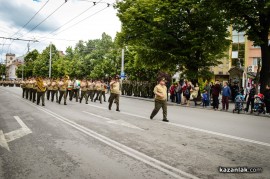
(35, 90)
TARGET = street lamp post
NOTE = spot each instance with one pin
(50, 63)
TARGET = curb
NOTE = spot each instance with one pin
(174, 104)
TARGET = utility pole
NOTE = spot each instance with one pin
(50, 64)
(122, 64)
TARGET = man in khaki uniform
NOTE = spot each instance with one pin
(99, 90)
(34, 90)
(160, 99)
(54, 90)
(90, 89)
(49, 88)
(63, 84)
(115, 93)
(70, 89)
(40, 85)
(103, 90)
(84, 91)
(23, 86)
(31, 85)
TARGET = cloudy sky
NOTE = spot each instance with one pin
(89, 22)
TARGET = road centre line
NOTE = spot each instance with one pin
(172, 171)
(199, 130)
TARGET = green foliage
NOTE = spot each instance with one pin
(170, 33)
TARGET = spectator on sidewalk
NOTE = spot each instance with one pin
(226, 93)
(184, 87)
(207, 88)
(178, 93)
(172, 92)
(267, 99)
(205, 99)
(216, 89)
(195, 94)
(187, 92)
(251, 98)
(247, 91)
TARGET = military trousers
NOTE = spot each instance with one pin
(90, 93)
(23, 92)
(98, 96)
(34, 94)
(26, 93)
(30, 93)
(103, 95)
(114, 97)
(76, 94)
(54, 92)
(160, 104)
(48, 92)
(70, 94)
(63, 94)
(42, 96)
(84, 95)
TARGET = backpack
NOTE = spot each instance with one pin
(187, 93)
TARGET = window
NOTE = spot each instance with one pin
(255, 61)
(235, 54)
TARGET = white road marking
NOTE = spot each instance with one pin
(24, 130)
(172, 171)
(13, 135)
(117, 122)
(201, 130)
(3, 141)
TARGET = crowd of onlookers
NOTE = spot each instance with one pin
(212, 94)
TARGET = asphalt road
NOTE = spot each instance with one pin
(89, 141)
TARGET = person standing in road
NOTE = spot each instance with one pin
(115, 93)
(70, 89)
(178, 93)
(103, 90)
(99, 90)
(267, 99)
(226, 93)
(216, 89)
(54, 90)
(160, 92)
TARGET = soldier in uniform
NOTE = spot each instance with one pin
(49, 88)
(115, 93)
(23, 86)
(41, 89)
(54, 90)
(31, 85)
(90, 90)
(103, 90)
(27, 88)
(34, 90)
(99, 90)
(160, 99)
(84, 91)
(63, 84)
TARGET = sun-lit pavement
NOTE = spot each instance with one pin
(89, 141)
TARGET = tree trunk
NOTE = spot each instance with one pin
(265, 70)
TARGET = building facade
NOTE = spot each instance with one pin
(12, 64)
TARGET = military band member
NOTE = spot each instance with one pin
(30, 86)
(84, 91)
(49, 88)
(41, 88)
(54, 90)
(27, 88)
(34, 90)
(23, 86)
(70, 89)
(99, 90)
(63, 84)
(90, 89)
(103, 90)
(160, 92)
(115, 93)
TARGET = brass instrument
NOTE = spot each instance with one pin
(40, 84)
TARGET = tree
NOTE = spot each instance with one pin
(252, 17)
(174, 33)
(27, 67)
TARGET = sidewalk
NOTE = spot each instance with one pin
(192, 105)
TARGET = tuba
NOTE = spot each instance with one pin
(40, 84)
